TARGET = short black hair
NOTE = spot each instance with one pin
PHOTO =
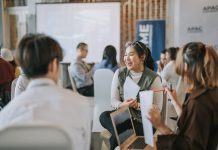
(163, 51)
(172, 52)
(35, 52)
(81, 44)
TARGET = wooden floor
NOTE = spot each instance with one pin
(98, 142)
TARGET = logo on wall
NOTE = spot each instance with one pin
(210, 9)
(152, 33)
(145, 33)
(195, 29)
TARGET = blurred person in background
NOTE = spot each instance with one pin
(109, 60)
(82, 72)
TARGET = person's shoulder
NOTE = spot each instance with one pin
(74, 97)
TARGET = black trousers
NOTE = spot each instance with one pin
(87, 90)
(106, 122)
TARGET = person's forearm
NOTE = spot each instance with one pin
(163, 129)
(178, 107)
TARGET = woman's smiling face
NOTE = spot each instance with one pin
(132, 60)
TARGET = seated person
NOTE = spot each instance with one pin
(82, 72)
(162, 62)
(139, 65)
(7, 55)
(109, 60)
(21, 85)
(6, 78)
(198, 121)
(168, 73)
(44, 101)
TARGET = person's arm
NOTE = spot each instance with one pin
(158, 96)
(174, 101)
(78, 70)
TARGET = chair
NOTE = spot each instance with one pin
(73, 83)
(13, 85)
(34, 137)
(102, 91)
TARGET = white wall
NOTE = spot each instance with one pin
(196, 20)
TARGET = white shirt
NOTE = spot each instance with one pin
(169, 74)
(156, 85)
(21, 85)
(44, 101)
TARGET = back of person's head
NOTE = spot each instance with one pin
(199, 64)
(142, 49)
(163, 51)
(35, 52)
(6, 54)
(81, 45)
(172, 51)
(110, 54)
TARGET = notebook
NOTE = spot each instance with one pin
(124, 130)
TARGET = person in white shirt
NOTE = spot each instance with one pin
(44, 101)
(139, 65)
(21, 84)
(162, 62)
(169, 74)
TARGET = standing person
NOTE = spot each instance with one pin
(162, 62)
(109, 59)
(43, 101)
(198, 122)
(82, 72)
(139, 66)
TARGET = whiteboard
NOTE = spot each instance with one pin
(97, 24)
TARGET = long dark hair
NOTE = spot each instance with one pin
(141, 50)
(110, 55)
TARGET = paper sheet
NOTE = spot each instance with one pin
(146, 100)
(131, 89)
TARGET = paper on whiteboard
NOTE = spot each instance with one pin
(131, 89)
(146, 100)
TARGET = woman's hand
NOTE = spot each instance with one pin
(134, 104)
(129, 103)
(154, 116)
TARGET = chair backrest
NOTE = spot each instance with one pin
(32, 137)
(13, 85)
(102, 91)
(73, 83)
